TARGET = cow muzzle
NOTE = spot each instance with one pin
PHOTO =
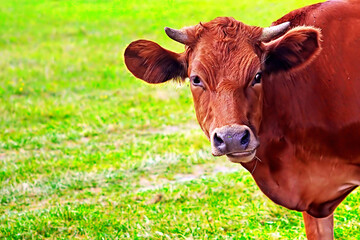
(237, 142)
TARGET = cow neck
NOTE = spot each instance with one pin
(293, 147)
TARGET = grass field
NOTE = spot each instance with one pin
(88, 151)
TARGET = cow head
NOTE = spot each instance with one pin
(226, 62)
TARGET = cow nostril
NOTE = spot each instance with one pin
(245, 139)
(218, 140)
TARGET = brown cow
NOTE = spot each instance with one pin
(283, 101)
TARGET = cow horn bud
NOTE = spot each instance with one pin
(273, 31)
(177, 35)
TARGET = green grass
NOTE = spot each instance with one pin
(88, 151)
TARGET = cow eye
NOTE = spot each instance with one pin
(196, 81)
(257, 79)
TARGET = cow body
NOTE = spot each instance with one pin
(298, 131)
(310, 130)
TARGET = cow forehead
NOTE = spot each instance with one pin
(215, 61)
(226, 28)
(224, 50)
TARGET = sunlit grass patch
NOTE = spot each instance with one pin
(88, 151)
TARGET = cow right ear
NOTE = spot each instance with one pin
(295, 49)
(152, 63)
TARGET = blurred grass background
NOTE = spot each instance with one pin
(88, 151)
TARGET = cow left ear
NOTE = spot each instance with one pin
(154, 64)
(295, 49)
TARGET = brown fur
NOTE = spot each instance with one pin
(306, 112)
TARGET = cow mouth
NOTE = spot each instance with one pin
(242, 157)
